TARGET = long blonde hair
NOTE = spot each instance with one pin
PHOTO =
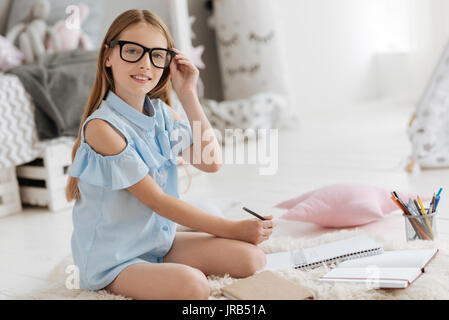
(104, 80)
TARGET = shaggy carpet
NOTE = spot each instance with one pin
(433, 284)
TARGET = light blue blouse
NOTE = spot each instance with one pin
(112, 229)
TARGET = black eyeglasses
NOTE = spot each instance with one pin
(133, 52)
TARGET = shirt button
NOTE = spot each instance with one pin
(165, 228)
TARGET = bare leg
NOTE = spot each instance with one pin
(182, 275)
(160, 281)
(217, 256)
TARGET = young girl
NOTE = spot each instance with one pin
(124, 176)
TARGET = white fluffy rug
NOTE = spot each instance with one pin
(433, 284)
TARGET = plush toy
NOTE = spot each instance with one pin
(33, 34)
(71, 36)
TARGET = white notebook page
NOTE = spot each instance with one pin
(290, 259)
(335, 249)
(372, 274)
(393, 259)
(384, 284)
(279, 260)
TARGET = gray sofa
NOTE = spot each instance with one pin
(4, 10)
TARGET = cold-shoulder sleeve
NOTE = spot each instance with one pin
(116, 172)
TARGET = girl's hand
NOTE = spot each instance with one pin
(254, 230)
(184, 74)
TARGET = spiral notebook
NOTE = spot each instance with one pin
(392, 269)
(327, 254)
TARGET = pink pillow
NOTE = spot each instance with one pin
(10, 56)
(342, 205)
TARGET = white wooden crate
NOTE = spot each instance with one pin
(43, 181)
(9, 192)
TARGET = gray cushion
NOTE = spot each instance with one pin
(20, 9)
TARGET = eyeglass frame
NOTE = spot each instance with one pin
(121, 43)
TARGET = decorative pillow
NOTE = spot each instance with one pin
(10, 56)
(252, 27)
(342, 205)
(20, 9)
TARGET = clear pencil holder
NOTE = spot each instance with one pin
(423, 227)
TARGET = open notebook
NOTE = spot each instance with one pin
(329, 253)
(392, 269)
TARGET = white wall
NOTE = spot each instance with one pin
(340, 51)
(354, 50)
(440, 17)
(113, 8)
(205, 35)
(329, 51)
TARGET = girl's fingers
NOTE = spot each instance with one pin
(180, 55)
(186, 67)
(184, 61)
(269, 224)
(267, 232)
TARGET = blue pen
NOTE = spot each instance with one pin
(437, 198)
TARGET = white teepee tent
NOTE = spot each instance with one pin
(429, 126)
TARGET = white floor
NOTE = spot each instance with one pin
(366, 143)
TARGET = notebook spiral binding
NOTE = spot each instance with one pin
(328, 262)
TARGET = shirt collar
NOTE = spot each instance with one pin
(119, 105)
